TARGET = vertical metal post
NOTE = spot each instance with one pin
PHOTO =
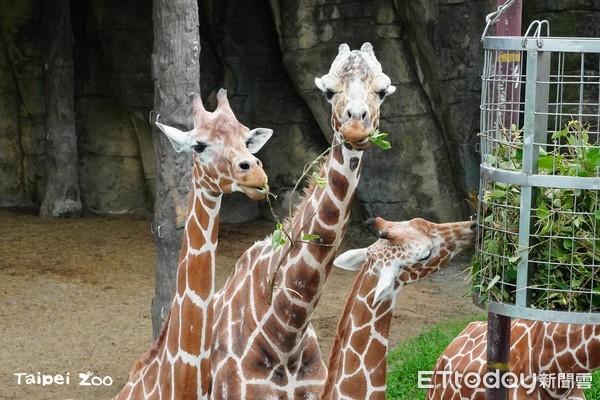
(498, 334)
(508, 66)
(498, 355)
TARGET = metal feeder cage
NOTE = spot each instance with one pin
(538, 247)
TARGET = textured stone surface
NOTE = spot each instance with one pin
(267, 55)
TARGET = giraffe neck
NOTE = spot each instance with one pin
(179, 365)
(357, 363)
(325, 212)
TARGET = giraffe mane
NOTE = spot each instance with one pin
(334, 356)
(307, 191)
(151, 354)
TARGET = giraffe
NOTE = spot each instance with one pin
(538, 349)
(265, 346)
(178, 366)
(406, 252)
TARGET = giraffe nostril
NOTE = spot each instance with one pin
(364, 116)
(244, 166)
(473, 226)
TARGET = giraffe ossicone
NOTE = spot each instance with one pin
(355, 87)
(406, 252)
(178, 365)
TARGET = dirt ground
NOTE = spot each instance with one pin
(75, 298)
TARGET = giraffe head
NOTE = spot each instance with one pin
(222, 149)
(408, 251)
(356, 87)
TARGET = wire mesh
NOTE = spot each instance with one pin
(538, 246)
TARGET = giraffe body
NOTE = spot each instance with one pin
(406, 252)
(266, 347)
(178, 366)
(537, 349)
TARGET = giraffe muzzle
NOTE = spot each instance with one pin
(356, 134)
(254, 183)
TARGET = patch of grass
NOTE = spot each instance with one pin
(421, 353)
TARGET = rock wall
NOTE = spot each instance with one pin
(267, 54)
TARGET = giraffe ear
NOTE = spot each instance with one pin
(181, 141)
(351, 260)
(257, 139)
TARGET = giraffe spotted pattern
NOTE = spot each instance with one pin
(406, 252)
(265, 349)
(537, 348)
(178, 366)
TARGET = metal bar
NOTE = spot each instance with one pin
(554, 181)
(564, 317)
(568, 45)
(498, 344)
(498, 353)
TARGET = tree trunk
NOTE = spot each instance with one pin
(61, 194)
(176, 72)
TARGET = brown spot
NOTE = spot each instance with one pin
(186, 385)
(279, 376)
(200, 278)
(182, 278)
(150, 377)
(361, 314)
(243, 323)
(227, 376)
(382, 325)
(376, 355)
(291, 314)
(329, 213)
(205, 376)
(165, 379)
(276, 332)
(351, 363)
(339, 183)
(304, 280)
(354, 387)
(311, 362)
(360, 339)
(354, 161)
(191, 326)
(173, 333)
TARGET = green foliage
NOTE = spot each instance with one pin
(309, 236)
(564, 242)
(320, 180)
(377, 138)
(278, 238)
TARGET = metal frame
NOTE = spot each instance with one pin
(535, 112)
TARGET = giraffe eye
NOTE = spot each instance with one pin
(425, 256)
(199, 148)
(329, 94)
(382, 93)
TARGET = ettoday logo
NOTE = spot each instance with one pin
(493, 380)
